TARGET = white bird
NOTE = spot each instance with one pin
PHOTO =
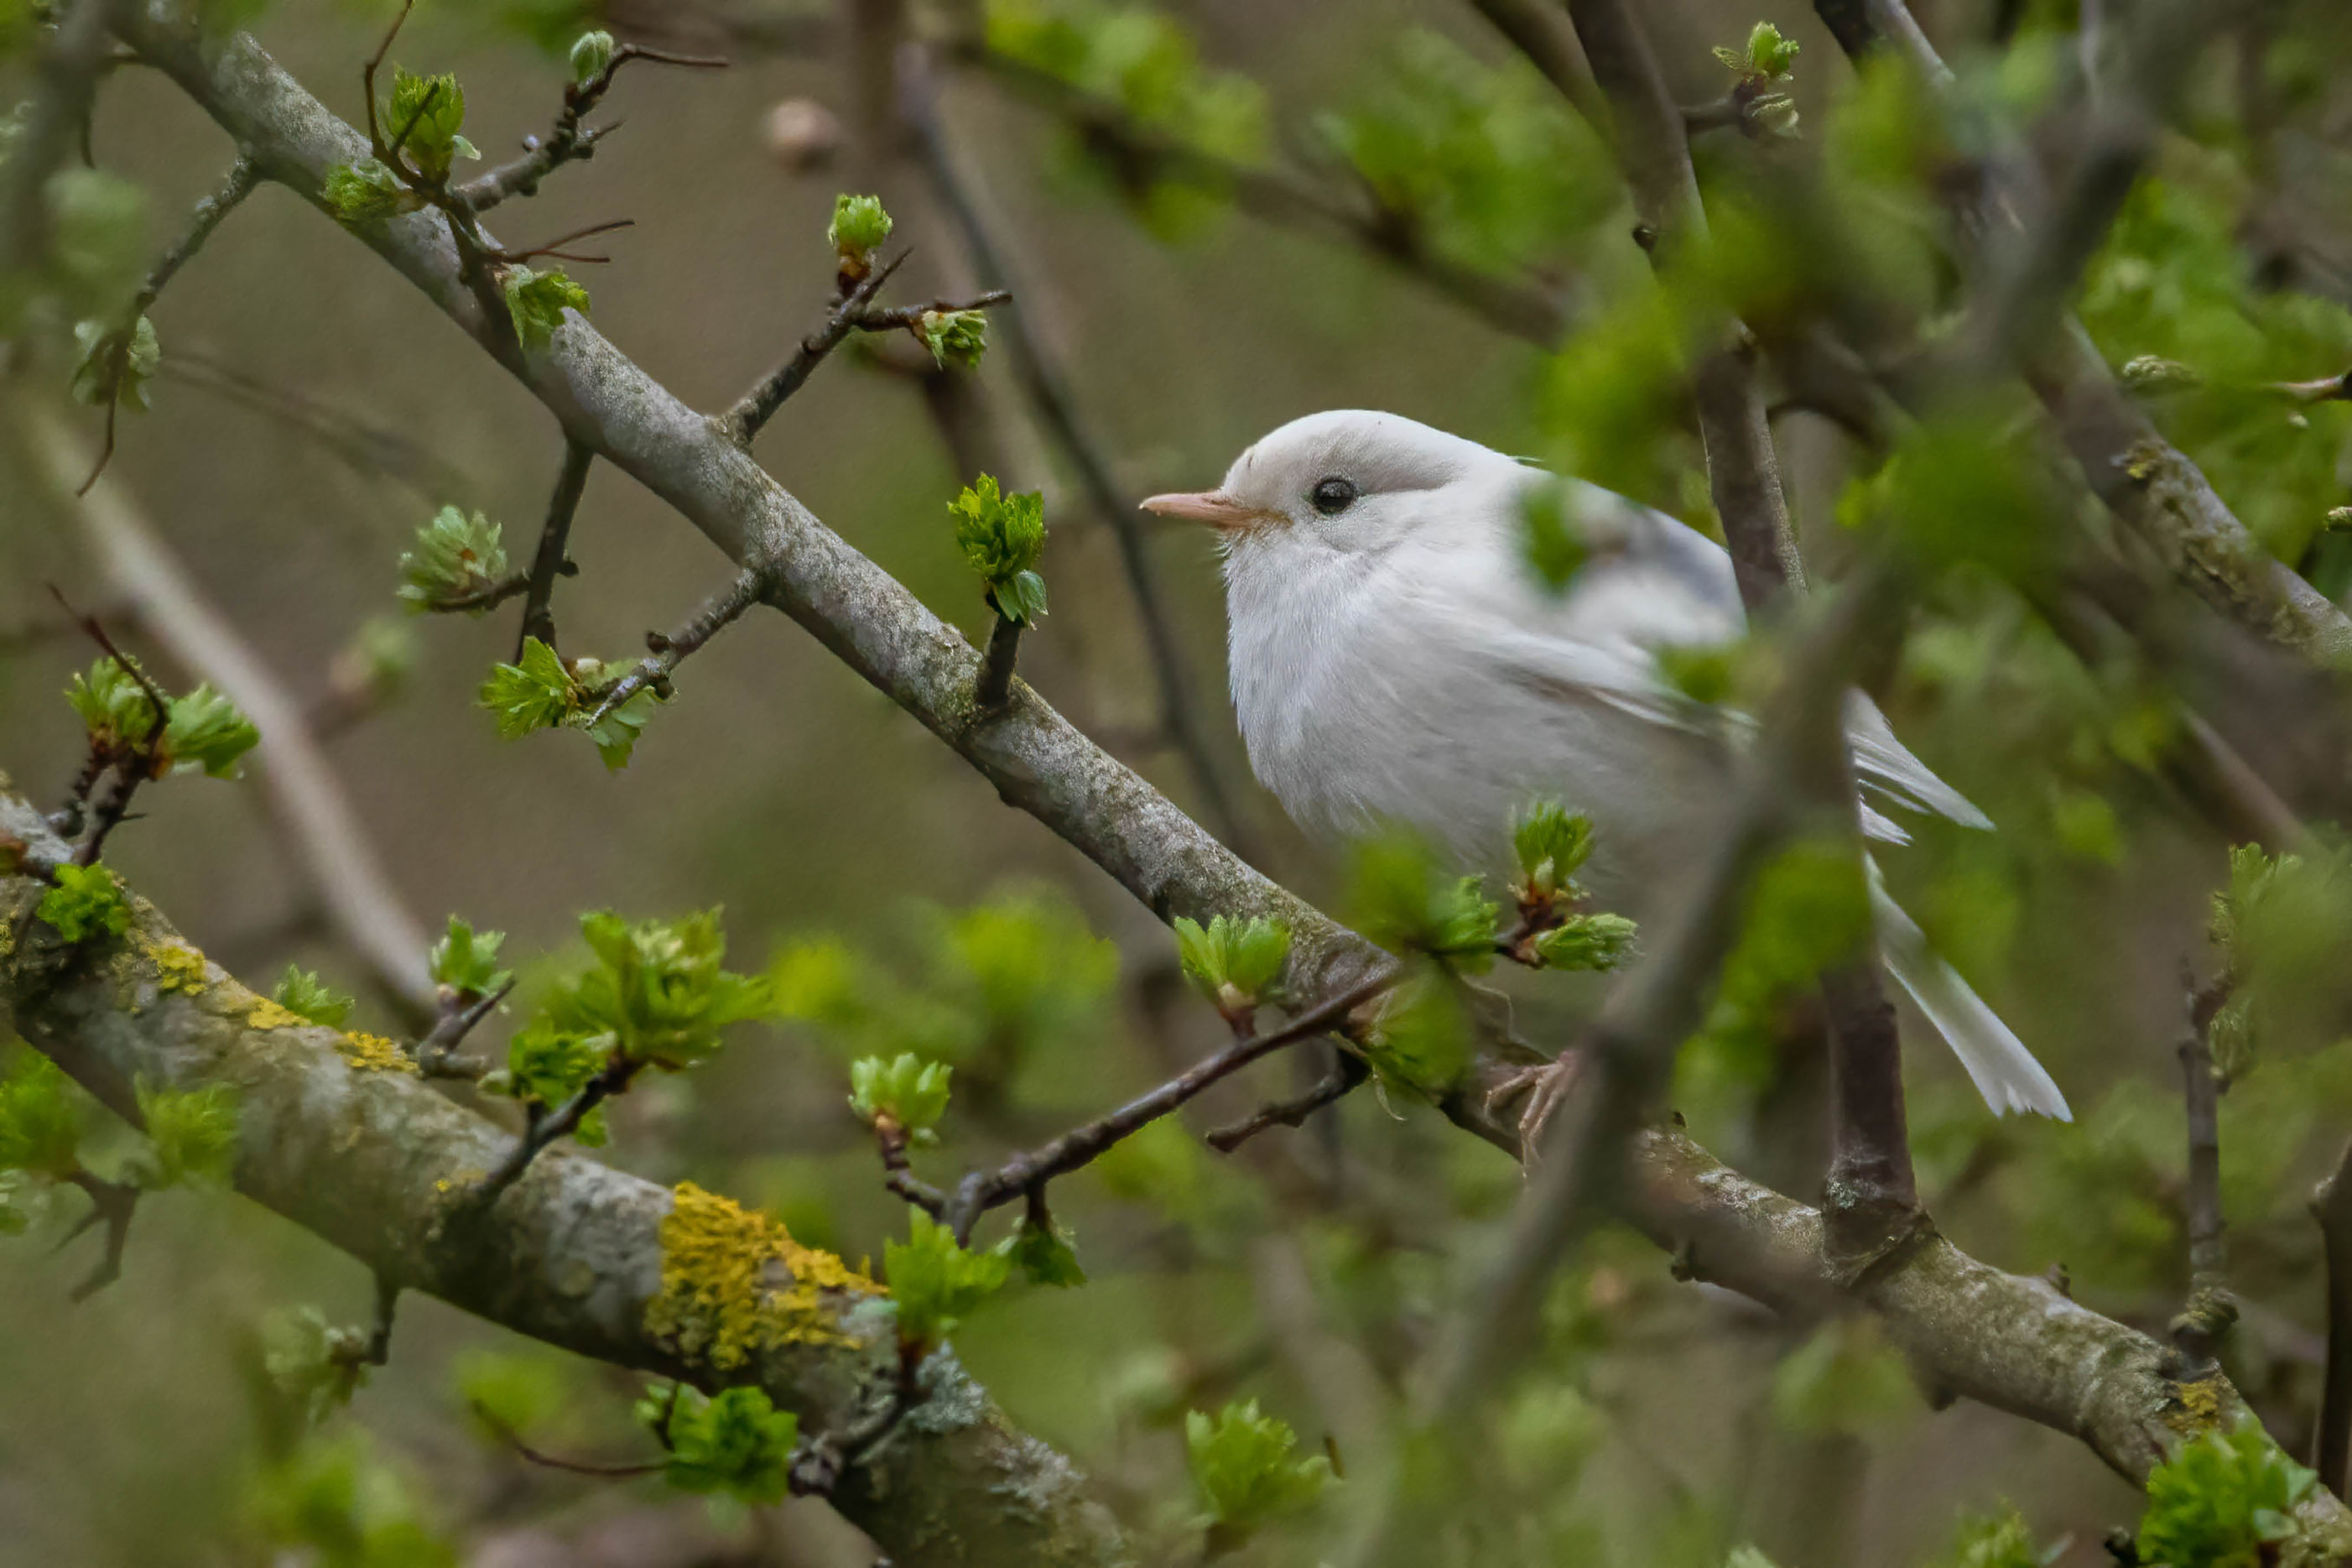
(1393, 659)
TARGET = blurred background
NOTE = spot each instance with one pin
(311, 412)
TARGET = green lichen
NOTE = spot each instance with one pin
(374, 1053)
(735, 1283)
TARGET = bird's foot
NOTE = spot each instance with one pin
(1545, 1088)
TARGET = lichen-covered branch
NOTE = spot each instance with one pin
(340, 1135)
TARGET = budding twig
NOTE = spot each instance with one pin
(671, 649)
(554, 535)
(994, 687)
(120, 768)
(560, 1122)
(1028, 1173)
(759, 405)
(569, 142)
(436, 1055)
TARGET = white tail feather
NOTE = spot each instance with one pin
(2005, 1073)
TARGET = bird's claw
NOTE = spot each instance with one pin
(1546, 1087)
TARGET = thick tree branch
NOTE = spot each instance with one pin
(379, 1165)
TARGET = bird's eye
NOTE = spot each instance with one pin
(1333, 496)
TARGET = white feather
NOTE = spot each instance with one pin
(1396, 661)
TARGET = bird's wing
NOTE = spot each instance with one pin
(1885, 768)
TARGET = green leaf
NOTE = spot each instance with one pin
(1043, 1255)
(1406, 903)
(85, 901)
(191, 1134)
(116, 362)
(114, 707)
(737, 1442)
(1845, 1378)
(2222, 1501)
(301, 991)
(858, 229)
(1592, 941)
(537, 301)
(616, 733)
(1747, 1556)
(1552, 843)
(936, 1283)
(1553, 546)
(547, 1065)
(1769, 53)
(957, 338)
(1420, 1044)
(467, 961)
(1002, 536)
(1233, 962)
(40, 1118)
(206, 733)
(536, 693)
(1243, 1470)
(658, 992)
(1485, 160)
(591, 56)
(909, 1090)
(456, 556)
(2002, 1540)
(316, 1363)
(366, 190)
(430, 111)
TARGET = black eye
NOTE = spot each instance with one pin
(1333, 496)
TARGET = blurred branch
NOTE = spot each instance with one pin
(311, 809)
(1541, 31)
(2144, 480)
(64, 87)
(1046, 384)
(366, 1159)
(1348, 1073)
(2331, 1206)
(1521, 308)
(372, 451)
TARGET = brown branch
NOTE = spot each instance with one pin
(549, 1124)
(994, 689)
(759, 405)
(65, 89)
(554, 538)
(568, 142)
(111, 1203)
(671, 649)
(1028, 1172)
(1347, 1074)
(2209, 1311)
(2331, 1206)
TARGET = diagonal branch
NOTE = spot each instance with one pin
(554, 539)
(367, 1159)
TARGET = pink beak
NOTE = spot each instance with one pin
(1214, 507)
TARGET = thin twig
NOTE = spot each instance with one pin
(554, 537)
(1017, 1176)
(994, 689)
(459, 1017)
(111, 1203)
(367, 78)
(119, 767)
(372, 451)
(560, 1123)
(554, 248)
(524, 1451)
(895, 317)
(2209, 1311)
(759, 405)
(671, 649)
(568, 142)
(1348, 1073)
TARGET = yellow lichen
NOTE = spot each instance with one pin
(374, 1053)
(179, 967)
(2195, 1407)
(267, 1014)
(734, 1283)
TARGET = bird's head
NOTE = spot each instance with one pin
(1346, 481)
